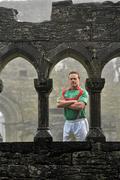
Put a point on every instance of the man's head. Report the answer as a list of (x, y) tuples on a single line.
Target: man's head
[(74, 79)]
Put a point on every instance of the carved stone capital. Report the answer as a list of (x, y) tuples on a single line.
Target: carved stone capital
[(1, 85), (43, 86), (95, 85)]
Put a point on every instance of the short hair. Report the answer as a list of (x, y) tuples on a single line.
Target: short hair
[(74, 72)]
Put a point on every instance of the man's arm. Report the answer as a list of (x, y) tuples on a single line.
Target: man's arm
[(77, 105), (82, 102), (61, 103)]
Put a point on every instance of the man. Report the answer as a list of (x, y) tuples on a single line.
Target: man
[(74, 101)]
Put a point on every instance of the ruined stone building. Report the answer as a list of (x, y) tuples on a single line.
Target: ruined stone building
[(88, 33)]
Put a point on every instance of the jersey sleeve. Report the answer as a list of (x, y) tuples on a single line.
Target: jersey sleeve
[(84, 97)]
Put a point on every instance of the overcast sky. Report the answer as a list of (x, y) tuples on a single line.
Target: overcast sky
[(36, 10), (74, 1)]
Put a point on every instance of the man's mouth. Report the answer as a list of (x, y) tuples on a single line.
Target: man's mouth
[(73, 83)]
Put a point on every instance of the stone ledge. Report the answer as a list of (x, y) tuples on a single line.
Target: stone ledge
[(57, 147)]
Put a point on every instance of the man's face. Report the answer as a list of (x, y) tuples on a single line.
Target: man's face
[(74, 80)]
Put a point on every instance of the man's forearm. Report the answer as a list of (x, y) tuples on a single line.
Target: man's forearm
[(64, 103), (77, 106)]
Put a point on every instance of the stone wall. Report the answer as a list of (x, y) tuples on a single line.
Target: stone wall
[(60, 161)]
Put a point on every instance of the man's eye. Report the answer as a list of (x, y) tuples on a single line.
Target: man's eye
[(73, 79)]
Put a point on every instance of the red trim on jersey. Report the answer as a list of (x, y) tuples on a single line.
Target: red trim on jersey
[(75, 98)]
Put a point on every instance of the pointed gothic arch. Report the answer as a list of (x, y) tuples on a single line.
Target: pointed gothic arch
[(63, 51), (18, 50)]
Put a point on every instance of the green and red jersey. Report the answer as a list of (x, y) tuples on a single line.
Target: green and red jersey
[(79, 94)]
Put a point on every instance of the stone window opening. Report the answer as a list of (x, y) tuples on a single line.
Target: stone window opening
[(19, 91), (59, 75), (23, 73), (110, 100)]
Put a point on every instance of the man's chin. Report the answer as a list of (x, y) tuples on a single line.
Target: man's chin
[(74, 86)]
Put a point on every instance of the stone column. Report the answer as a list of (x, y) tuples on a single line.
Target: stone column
[(94, 87), (43, 88), (1, 88)]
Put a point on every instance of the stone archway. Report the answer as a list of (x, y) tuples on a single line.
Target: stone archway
[(59, 74), (13, 50), (19, 88), (110, 101), (75, 30), (70, 50)]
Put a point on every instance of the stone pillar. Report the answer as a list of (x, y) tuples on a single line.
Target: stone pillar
[(1, 88), (1, 138), (43, 88), (1, 85), (94, 87)]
